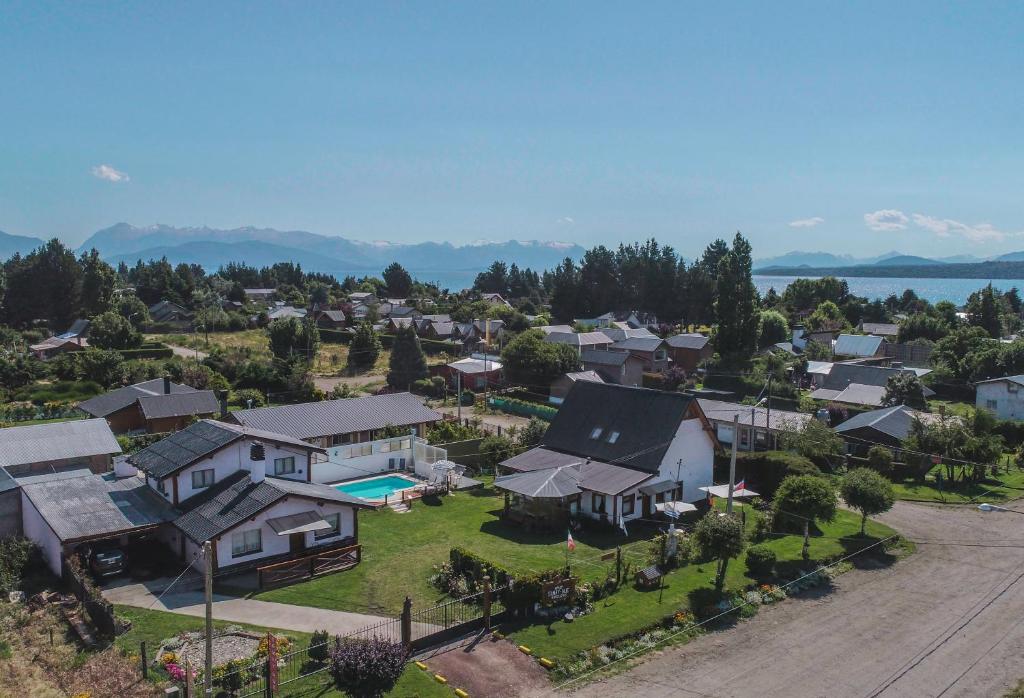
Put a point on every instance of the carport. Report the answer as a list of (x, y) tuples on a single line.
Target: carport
[(63, 515)]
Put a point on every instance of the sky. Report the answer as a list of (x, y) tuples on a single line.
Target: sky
[(853, 128)]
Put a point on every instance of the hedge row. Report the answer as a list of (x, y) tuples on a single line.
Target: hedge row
[(431, 347), (153, 353), (523, 408), (764, 470)]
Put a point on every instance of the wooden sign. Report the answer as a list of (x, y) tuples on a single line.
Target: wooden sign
[(608, 556), (558, 592)]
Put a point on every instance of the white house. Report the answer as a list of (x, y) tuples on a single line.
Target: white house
[(612, 452), (1003, 397)]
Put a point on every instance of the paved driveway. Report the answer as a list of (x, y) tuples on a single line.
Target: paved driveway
[(948, 621)]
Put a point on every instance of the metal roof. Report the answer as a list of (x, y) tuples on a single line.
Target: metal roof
[(860, 345), (114, 400), (591, 376), (893, 421), (578, 339), (471, 366), (571, 478), (553, 483), (1018, 379), (640, 344), (40, 443), (779, 420), (636, 425), (604, 357), (179, 404), (298, 523), (539, 458), (884, 329), (237, 498), (96, 505), (687, 341), (198, 440), (312, 419), (7, 482)]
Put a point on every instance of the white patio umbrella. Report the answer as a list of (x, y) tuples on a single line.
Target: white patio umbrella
[(674, 509), (723, 491)]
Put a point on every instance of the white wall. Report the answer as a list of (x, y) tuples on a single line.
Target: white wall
[(1008, 404), (340, 467), (37, 530), (274, 544), (230, 460), (697, 450)]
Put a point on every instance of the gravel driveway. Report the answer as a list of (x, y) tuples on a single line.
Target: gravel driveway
[(947, 621)]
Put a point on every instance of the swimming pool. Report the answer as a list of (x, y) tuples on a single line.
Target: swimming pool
[(377, 487)]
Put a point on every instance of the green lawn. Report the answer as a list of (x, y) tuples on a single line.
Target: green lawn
[(155, 626), (952, 407), (1010, 486), (631, 610), (400, 551)]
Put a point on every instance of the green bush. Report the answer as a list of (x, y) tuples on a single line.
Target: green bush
[(468, 398), (17, 556), (880, 460), (242, 397), (760, 561), (153, 353), (765, 470), (319, 646)]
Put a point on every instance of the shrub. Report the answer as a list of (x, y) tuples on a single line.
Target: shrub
[(468, 398), (16, 556), (242, 396), (760, 560), (880, 460), (367, 668), (764, 471), (319, 646), (229, 676)]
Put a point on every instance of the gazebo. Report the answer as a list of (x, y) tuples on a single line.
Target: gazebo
[(540, 498)]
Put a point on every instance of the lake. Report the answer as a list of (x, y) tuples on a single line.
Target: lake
[(932, 290)]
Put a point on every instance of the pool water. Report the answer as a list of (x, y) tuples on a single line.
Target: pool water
[(376, 488)]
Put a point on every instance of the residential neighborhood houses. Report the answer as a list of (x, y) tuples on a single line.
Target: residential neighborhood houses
[(337, 449)]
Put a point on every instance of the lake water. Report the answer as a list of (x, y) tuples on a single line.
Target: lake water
[(932, 290)]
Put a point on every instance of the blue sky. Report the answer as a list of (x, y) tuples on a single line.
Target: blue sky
[(854, 128)]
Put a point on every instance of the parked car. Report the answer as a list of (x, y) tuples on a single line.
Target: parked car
[(108, 562)]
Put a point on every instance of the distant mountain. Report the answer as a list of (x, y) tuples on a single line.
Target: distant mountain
[(20, 244), (906, 260), (810, 259), (211, 247), (1011, 257)]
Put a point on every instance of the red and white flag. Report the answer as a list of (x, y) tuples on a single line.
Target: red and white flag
[(741, 485), (571, 544)]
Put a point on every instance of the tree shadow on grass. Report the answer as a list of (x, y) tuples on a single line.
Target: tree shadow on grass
[(865, 556)]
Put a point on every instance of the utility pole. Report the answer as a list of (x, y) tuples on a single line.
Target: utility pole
[(732, 460), (768, 415), (208, 674), (458, 397)]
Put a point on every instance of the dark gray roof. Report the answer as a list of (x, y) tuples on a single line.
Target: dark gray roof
[(640, 344), (780, 420), (571, 478), (863, 345), (114, 400), (604, 358), (893, 421), (578, 339), (312, 419), (687, 341), (539, 458), (205, 437), (237, 498), (843, 374), (6, 481), (198, 402), (885, 329), (1018, 379), (334, 315), (646, 421), (96, 505), (39, 443), (553, 483)]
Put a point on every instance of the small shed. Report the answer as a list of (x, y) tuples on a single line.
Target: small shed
[(649, 577)]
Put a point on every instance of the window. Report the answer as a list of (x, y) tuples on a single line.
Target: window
[(161, 487), (613, 437), (391, 463), (246, 542), (991, 404), (628, 504), (335, 521), (597, 504), (284, 466), (202, 478), (596, 434)]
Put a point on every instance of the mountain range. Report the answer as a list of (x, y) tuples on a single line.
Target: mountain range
[(889, 259), (212, 247)]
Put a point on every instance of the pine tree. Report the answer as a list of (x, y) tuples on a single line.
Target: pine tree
[(736, 306), (364, 348), (407, 363)]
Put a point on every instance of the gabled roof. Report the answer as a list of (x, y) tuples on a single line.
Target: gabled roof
[(688, 341), (843, 374), (402, 311), (548, 329), (883, 329), (39, 443), (893, 421), (618, 333), (776, 420), (312, 419), (442, 329), (1018, 379), (237, 498), (578, 339), (204, 438), (96, 505), (860, 345), (853, 394), (636, 425), (570, 478), (471, 365), (286, 311), (165, 310), (114, 400), (333, 315), (591, 376), (640, 344), (178, 404)]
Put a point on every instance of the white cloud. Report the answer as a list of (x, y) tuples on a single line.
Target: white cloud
[(806, 222), (886, 219), (109, 173), (566, 220), (946, 227)]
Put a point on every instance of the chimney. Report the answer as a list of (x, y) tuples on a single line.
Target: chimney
[(167, 385), (223, 403), (257, 461)]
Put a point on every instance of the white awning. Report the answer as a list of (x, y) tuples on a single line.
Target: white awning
[(658, 487), (298, 523), (674, 509), (723, 491)]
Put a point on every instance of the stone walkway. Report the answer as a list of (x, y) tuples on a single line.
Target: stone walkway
[(267, 614)]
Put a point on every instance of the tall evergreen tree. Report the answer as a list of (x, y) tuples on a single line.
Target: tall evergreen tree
[(364, 348), (736, 306), (407, 362), (97, 284), (397, 280)]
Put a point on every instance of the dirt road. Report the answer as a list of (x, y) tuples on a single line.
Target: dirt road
[(948, 621)]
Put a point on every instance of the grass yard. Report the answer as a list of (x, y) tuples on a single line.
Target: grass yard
[(952, 408), (400, 551), (154, 626), (1008, 485), (631, 610)]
